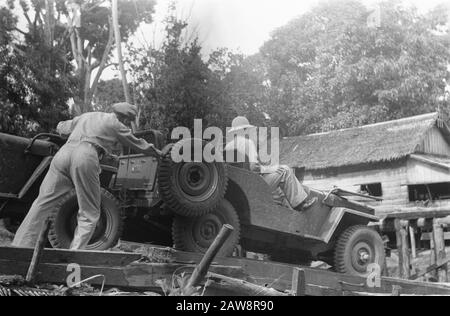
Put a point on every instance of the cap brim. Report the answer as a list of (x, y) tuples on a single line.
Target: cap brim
[(127, 114), (239, 128)]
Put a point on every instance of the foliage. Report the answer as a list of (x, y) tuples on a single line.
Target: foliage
[(108, 92), (35, 81), (174, 85), (329, 69), (50, 59), (91, 43), (326, 69)]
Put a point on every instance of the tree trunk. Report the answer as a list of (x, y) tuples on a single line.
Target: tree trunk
[(49, 22), (115, 18)]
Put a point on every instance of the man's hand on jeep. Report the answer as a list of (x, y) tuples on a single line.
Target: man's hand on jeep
[(154, 152)]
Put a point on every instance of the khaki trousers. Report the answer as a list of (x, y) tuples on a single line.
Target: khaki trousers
[(75, 166), (285, 186)]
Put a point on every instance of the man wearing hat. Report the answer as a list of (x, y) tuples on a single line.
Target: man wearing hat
[(77, 166), (281, 179)]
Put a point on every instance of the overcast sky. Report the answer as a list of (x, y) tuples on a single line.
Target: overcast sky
[(242, 25)]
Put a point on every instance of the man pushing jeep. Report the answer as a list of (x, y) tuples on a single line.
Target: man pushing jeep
[(77, 166)]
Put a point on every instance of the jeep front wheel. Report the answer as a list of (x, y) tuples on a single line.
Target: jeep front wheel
[(357, 248)]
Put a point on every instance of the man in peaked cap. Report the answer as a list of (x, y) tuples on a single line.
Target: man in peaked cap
[(281, 179), (77, 166)]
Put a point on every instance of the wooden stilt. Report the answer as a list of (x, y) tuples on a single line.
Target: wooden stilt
[(433, 261), (439, 250), (401, 228), (412, 238)]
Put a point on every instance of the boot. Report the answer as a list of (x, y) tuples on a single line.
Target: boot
[(306, 204)]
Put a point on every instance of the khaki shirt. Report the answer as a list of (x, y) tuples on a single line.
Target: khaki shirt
[(102, 129), (246, 147)]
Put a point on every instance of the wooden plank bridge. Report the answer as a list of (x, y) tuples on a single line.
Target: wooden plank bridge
[(141, 269)]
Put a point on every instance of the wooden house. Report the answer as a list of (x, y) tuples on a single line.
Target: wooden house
[(406, 162)]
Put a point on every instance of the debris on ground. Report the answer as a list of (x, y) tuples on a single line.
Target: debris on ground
[(16, 286), (421, 262)]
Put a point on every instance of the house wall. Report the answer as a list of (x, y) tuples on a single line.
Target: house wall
[(394, 178), (420, 173), (434, 143), (391, 177)]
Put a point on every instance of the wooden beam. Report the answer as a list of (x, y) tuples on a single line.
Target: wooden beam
[(321, 283), (429, 236), (142, 276), (318, 282), (81, 257), (445, 221), (419, 212), (239, 287)]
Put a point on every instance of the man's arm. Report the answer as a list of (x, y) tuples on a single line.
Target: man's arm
[(65, 128), (255, 164), (246, 148), (126, 138)]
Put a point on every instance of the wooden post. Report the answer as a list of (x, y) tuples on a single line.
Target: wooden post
[(202, 268), (42, 240), (401, 228), (439, 250), (412, 238), (298, 282), (396, 290), (433, 273)]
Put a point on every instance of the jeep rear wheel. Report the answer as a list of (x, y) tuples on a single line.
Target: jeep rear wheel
[(191, 188), (357, 248), (197, 234), (64, 223)]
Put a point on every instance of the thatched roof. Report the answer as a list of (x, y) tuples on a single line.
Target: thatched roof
[(381, 142)]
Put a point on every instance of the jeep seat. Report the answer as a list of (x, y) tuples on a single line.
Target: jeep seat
[(16, 164)]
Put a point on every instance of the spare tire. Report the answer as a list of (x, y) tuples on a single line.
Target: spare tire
[(191, 188), (64, 222), (197, 234)]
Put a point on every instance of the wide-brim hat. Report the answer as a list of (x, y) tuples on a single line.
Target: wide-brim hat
[(240, 123), (127, 109)]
